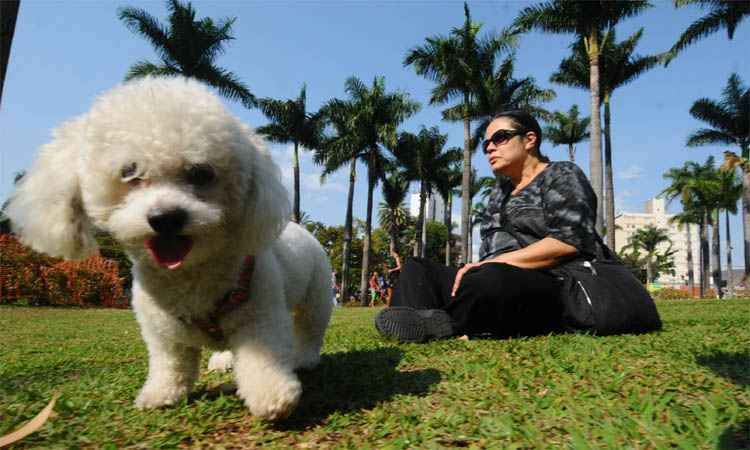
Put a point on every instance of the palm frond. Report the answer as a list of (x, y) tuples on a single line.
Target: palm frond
[(705, 136), (275, 132), (140, 22), (227, 83), (723, 15), (713, 113), (144, 68)]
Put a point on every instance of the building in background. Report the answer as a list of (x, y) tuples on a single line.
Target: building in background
[(656, 214)]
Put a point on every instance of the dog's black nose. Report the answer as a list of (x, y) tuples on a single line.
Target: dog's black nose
[(167, 222)]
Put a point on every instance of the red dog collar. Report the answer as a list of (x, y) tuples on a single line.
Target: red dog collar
[(228, 303)]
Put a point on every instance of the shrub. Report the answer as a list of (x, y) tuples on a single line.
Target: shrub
[(670, 294), (26, 275)]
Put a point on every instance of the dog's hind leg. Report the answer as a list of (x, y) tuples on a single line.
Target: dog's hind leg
[(220, 361), (311, 318)]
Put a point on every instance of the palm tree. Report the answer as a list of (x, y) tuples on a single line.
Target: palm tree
[(290, 122), (336, 151), (393, 215), (688, 183), (586, 19), (618, 67), (375, 119), (729, 120), (502, 92), (719, 190), (722, 14), (477, 211), (8, 15), (649, 238), (685, 219), (186, 47), (305, 219), (458, 64), (729, 193), (708, 189), (568, 129), (424, 159), (448, 180)]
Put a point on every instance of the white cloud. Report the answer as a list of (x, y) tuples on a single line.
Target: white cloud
[(623, 202), (310, 184), (632, 172)]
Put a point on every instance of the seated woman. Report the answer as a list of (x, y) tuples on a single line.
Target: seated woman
[(513, 290)]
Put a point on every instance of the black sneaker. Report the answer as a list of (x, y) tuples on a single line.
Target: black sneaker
[(406, 324)]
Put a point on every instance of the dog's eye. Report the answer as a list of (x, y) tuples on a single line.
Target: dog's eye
[(200, 175), (129, 173)]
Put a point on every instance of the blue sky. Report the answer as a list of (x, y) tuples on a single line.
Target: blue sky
[(66, 53)]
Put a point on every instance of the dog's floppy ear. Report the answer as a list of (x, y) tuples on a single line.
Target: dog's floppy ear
[(268, 209), (46, 210)]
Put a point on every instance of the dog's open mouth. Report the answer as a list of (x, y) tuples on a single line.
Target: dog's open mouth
[(169, 251)]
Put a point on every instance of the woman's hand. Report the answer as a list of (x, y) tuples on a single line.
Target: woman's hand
[(460, 275)]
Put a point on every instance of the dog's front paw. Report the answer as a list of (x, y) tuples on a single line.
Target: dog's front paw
[(220, 361), (273, 401), (153, 397)]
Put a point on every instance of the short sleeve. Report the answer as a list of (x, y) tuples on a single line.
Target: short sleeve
[(569, 205)]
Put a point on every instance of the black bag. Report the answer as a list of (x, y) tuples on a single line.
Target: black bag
[(601, 296), (604, 297)]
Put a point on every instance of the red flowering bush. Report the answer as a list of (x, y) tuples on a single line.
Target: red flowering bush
[(36, 279), (671, 294)]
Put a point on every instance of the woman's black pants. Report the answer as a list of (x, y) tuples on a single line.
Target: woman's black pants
[(494, 298)]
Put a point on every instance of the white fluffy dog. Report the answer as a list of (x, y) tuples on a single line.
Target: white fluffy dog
[(190, 192)]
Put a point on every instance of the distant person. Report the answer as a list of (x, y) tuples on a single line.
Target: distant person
[(335, 288), (393, 273), (382, 285), (374, 287), (510, 291)]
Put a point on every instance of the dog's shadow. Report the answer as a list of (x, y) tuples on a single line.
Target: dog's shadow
[(734, 366), (348, 381)]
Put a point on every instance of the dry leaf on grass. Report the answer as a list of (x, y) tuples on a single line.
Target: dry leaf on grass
[(33, 425)]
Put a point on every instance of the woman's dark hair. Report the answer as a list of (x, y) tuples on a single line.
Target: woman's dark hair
[(523, 121)]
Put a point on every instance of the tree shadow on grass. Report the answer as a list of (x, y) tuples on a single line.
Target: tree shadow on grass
[(734, 366)]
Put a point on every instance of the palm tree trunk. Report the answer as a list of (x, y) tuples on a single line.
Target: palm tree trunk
[(571, 153), (746, 220), (595, 156), (704, 257), (649, 270), (608, 178), (420, 220), (8, 15), (690, 272), (348, 233), (296, 217), (447, 223), (465, 187), (363, 285), (730, 274), (423, 253), (715, 252)]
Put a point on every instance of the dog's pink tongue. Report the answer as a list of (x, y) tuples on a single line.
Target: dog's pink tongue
[(169, 251)]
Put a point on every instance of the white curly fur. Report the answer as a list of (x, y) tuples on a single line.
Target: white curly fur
[(165, 125)]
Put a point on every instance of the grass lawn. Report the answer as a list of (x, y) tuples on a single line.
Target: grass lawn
[(687, 387)]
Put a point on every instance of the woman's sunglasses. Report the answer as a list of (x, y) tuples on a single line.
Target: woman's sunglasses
[(500, 137)]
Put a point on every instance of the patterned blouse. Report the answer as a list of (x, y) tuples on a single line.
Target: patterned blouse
[(558, 203)]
